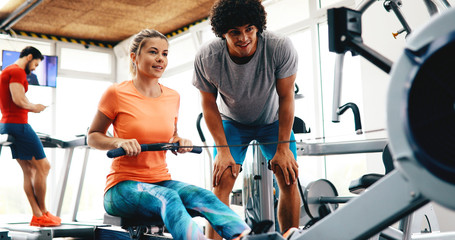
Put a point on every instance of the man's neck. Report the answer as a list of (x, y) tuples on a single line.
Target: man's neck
[(21, 62)]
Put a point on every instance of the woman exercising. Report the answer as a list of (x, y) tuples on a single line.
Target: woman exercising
[(139, 184)]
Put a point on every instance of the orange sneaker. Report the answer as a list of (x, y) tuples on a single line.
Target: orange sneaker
[(43, 221), (53, 218)]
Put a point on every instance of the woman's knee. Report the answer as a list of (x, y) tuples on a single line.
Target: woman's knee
[(172, 196), (158, 197), (205, 194)]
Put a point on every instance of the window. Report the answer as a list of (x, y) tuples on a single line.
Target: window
[(291, 10), (85, 61), (93, 63), (181, 51)]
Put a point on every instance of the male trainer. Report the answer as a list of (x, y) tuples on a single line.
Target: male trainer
[(252, 72)]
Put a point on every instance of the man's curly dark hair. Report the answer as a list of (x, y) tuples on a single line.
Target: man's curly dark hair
[(228, 14)]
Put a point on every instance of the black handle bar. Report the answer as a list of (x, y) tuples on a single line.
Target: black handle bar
[(151, 147), (198, 126)]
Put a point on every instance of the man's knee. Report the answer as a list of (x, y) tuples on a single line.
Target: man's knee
[(226, 184), (42, 166), (282, 183), (28, 170)]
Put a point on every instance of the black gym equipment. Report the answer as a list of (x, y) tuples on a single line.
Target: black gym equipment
[(153, 147)]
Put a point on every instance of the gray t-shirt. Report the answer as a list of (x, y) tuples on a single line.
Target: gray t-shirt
[(247, 91)]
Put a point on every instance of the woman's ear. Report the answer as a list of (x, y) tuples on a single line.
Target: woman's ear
[(133, 57)]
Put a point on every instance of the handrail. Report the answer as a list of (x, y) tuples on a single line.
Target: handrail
[(338, 148)]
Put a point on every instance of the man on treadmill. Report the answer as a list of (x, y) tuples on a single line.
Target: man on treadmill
[(27, 148)]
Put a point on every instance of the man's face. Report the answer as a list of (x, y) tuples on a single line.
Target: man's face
[(242, 41), (32, 65)]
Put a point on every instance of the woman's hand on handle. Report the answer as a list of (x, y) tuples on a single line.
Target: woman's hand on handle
[(131, 146), (182, 142)]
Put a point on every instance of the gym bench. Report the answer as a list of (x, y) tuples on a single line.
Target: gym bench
[(138, 226)]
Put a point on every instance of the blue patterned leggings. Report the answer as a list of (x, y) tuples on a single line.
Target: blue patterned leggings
[(170, 199)]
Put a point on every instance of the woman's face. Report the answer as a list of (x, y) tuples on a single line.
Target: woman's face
[(152, 58)]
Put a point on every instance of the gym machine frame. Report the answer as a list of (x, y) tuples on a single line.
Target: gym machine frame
[(418, 177)]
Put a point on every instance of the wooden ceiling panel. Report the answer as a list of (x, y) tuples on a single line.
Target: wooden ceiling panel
[(109, 20), (51, 16)]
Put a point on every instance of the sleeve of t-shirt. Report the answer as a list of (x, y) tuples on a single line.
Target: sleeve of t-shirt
[(108, 102), (18, 75), (286, 59), (200, 80)]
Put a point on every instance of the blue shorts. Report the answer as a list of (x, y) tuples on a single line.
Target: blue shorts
[(26, 143), (237, 134)]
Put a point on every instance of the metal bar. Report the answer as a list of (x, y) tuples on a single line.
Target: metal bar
[(392, 234), (434, 236), (266, 190), (335, 148), (445, 3), (81, 184), (431, 7), (15, 17), (15, 13), (398, 198), (333, 199), (337, 84), (371, 55), (364, 5), (396, 10), (63, 180)]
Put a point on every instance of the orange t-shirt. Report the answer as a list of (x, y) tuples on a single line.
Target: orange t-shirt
[(11, 113), (148, 120)]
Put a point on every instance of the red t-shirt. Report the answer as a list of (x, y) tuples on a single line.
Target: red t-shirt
[(148, 120), (11, 113)]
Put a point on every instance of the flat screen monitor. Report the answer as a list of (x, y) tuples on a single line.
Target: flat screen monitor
[(44, 75)]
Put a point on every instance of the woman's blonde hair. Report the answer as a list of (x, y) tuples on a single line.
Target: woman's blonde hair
[(137, 42)]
